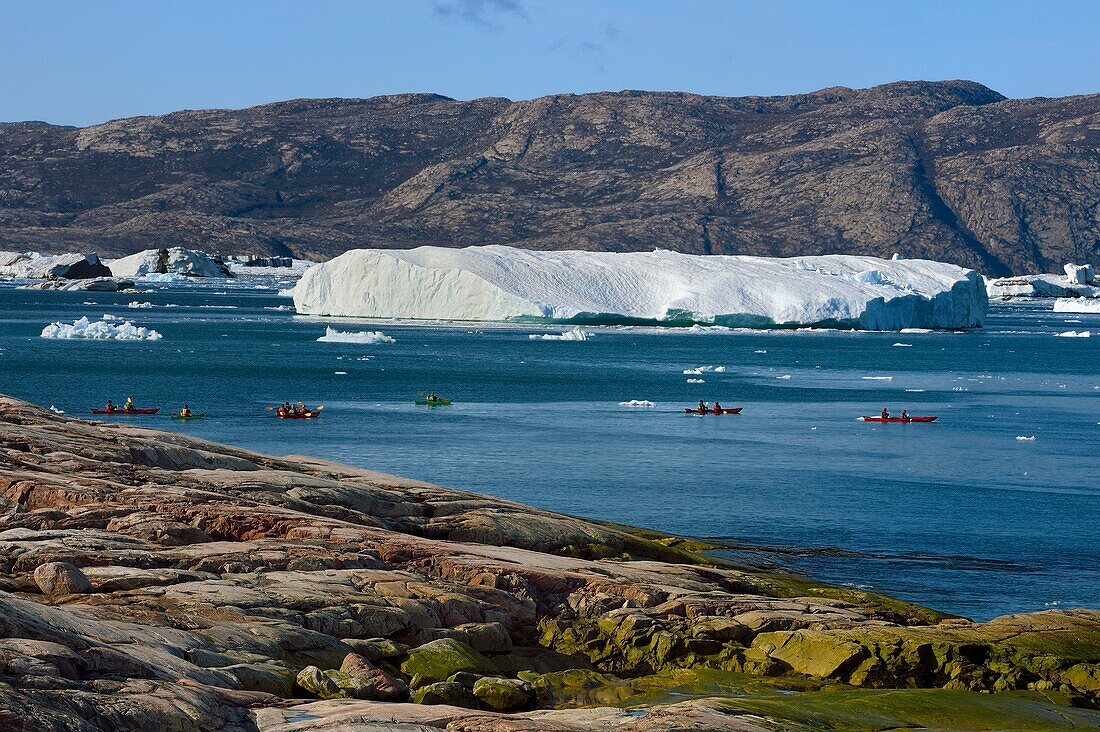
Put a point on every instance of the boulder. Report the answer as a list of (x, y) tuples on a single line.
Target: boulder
[(56, 579), (504, 695), (316, 682), (810, 652), (376, 649), (446, 692), (486, 637), (440, 659), (375, 684)]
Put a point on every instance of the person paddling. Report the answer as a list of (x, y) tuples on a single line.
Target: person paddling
[(129, 405), (186, 411), (110, 406), (717, 408), (702, 406), (905, 414), (885, 413)]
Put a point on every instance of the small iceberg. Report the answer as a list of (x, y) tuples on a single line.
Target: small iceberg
[(1023, 438), (135, 305), (1074, 334), (903, 345), (696, 381), (877, 378), (784, 377), (637, 403), (576, 334), (1077, 305), (370, 338), (108, 329)]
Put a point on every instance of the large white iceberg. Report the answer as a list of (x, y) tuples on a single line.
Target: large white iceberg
[(498, 283), (173, 261), (32, 265)]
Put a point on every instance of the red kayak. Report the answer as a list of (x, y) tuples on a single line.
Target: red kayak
[(899, 419), (154, 410), (308, 414), (731, 410)]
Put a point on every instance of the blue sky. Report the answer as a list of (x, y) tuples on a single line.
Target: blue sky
[(82, 62)]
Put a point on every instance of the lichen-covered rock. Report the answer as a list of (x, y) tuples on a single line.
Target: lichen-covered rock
[(316, 682), (446, 692), (440, 659), (61, 578), (504, 695), (813, 653)]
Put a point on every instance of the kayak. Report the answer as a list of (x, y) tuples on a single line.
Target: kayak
[(200, 415), (308, 414), (724, 410), (899, 419), (433, 402), (127, 412)]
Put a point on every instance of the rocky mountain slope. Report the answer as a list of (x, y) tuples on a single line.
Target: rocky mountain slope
[(154, 581), (946, 170)]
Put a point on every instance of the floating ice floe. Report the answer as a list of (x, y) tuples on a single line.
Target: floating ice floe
[(340, 373), (696, 381), (705, 369), (370, 337), (1074, 334), (139, 305), (762, 350), (1023, 438), (576, 334), (637, 403), (877, 378), (903, 345), (498, 283), (915, 391), (1076, 305), (784, 377), (110, 328)]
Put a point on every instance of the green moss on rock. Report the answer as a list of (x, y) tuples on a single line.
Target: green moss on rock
[(440, 659)]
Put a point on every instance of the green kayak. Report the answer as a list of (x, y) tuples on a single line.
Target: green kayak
[(433, 402), (201, 415)]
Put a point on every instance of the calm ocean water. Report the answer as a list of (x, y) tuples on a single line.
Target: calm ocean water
[(960, 515)]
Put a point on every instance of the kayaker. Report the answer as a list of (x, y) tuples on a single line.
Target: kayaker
[(885, 413), (186, 411), (110, 406), (129, 405), (717, 408), (905, 414), (702, 406)]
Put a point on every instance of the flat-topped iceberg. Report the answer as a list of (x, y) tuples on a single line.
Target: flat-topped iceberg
[(498, 283)]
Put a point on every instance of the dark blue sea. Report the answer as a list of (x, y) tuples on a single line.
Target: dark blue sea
[(961, 515)]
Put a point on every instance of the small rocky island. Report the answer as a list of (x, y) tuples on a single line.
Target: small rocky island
[(150, 581)]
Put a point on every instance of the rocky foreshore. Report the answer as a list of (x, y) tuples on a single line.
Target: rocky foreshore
[(150, 581)]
